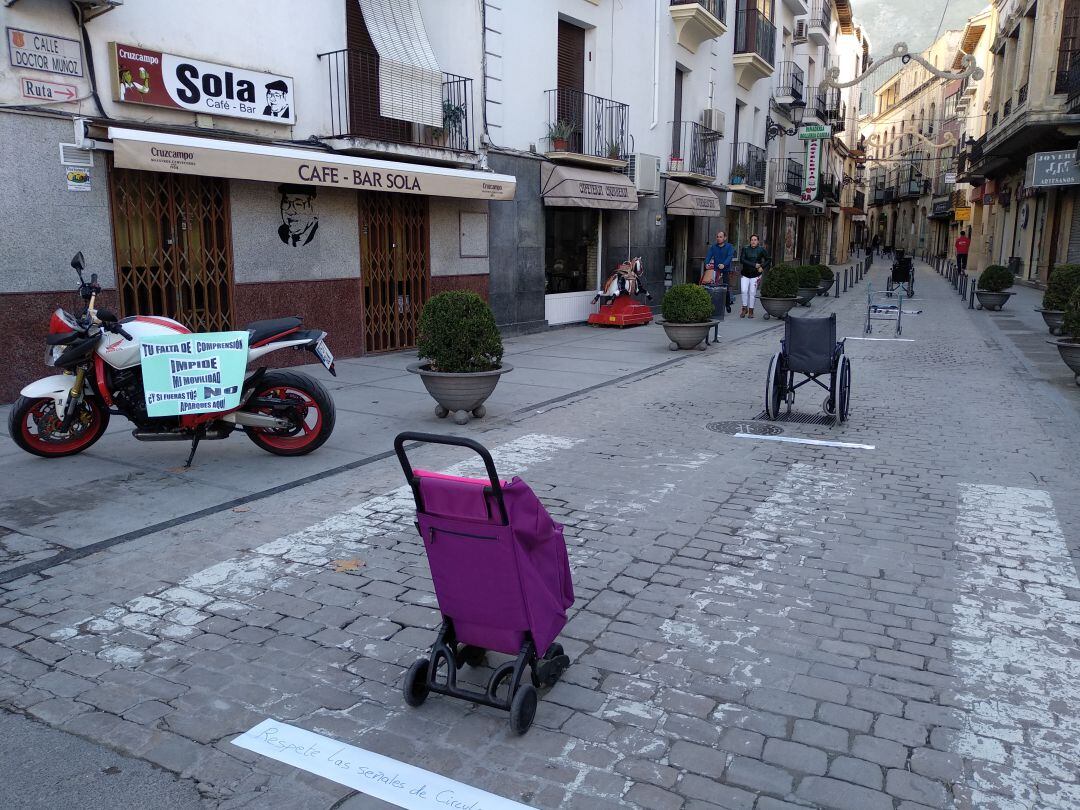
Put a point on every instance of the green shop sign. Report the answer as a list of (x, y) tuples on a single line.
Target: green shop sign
[(814, 132)]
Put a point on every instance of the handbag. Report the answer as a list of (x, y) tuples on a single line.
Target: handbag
[(708, 277)]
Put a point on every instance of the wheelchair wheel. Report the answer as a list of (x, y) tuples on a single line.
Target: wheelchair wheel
[(774, 388), (845, 388)]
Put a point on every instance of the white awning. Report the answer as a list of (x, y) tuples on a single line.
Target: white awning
[(182, 154), (410, 79), (570, 186), (684, 199)]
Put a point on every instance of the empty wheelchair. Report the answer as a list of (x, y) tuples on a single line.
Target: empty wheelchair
[(901, 275), (809, 348)]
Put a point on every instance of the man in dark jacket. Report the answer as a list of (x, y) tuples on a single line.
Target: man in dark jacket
[(754, 260), (719, 259)]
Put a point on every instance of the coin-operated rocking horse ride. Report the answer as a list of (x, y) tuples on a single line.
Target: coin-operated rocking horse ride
[(619, 297)]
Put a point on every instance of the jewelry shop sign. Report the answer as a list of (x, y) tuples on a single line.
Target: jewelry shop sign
[(31, 50), (1046, 169), (158, 79)]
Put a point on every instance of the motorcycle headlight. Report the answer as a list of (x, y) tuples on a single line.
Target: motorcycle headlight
[(53, 354)]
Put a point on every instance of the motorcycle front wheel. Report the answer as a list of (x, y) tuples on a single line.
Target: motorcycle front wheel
[(35, 427), (300, 399)]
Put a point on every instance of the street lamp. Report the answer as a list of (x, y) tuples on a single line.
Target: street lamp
[(774, 129)]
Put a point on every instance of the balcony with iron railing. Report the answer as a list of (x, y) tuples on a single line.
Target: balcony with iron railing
[(1071, 85), (912, 187), (698, 21), (589, 129), (1021, 96), (829, 188), (790, 179), (820, 22), (755, 47), (693, 151), (748, 168), (817, 103), (859, 200), (353, 96), (790, 83), (890, 194), (879, 194)]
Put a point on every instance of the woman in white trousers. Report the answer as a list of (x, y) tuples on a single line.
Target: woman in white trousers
[(753, 261)]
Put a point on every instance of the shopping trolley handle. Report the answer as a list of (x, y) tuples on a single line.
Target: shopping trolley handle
[(454, 441)]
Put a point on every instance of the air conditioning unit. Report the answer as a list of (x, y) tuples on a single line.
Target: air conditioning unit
[(800, 31), (644, 170), (713, 119)]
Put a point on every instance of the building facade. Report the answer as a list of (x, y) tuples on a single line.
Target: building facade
[(221, 163), (1026, 205), (912, 140)]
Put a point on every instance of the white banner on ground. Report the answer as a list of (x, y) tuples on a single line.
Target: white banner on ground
[(384, 778)]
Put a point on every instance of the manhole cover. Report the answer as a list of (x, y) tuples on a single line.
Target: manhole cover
[(756, 428)]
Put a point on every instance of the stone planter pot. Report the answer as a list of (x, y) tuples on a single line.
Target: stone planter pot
[(992, 300), (824, 287), (463, 395), (1054, 319), (687, 335), (777, 307), (806, 295), (1069, 350)]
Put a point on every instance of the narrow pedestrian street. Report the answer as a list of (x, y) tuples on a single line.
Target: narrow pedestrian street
[(887, 619)]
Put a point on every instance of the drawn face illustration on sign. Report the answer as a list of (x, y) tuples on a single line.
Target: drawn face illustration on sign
[(277, 100), (299, 222)]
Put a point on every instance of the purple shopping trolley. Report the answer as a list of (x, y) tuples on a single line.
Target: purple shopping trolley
[(502, 577)]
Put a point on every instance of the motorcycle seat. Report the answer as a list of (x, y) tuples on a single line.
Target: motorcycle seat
[(261, 331)]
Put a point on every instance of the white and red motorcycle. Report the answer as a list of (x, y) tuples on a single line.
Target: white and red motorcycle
[(284, 412)]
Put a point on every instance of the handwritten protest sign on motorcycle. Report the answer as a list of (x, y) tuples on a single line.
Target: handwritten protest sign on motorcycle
[(193, 373)]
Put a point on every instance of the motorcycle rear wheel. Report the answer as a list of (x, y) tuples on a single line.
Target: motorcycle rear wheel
[(313, 414), (32, 424)]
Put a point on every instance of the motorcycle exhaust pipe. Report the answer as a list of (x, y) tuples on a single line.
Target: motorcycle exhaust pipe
[(176, 436)]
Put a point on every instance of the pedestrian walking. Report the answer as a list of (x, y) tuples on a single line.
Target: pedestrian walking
[(719, 259), (963, 243), (876, 244), (754, 260)]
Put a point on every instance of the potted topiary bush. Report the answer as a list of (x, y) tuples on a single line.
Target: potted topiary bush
[(809, 279), (992, 289), (687, 311), (1068, 345), (779, 291), (1064, 280), (460, 352), (826, 277)]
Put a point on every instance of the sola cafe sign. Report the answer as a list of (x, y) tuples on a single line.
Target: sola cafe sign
[(141, 76)]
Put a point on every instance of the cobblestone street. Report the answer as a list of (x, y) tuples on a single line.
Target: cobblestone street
[(759, 625)]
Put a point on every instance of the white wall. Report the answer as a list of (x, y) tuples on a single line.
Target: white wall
[(274, 36)]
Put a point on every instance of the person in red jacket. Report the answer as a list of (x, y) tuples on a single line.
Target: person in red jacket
[(962, 245)]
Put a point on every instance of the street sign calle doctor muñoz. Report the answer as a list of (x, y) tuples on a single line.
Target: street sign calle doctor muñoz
[(1046, 169)]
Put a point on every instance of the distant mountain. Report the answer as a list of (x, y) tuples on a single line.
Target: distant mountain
[(890, 21)]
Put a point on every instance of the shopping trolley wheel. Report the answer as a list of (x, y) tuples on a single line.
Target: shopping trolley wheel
[(523, 708), (416, 686), (473, 656), (551, 667)]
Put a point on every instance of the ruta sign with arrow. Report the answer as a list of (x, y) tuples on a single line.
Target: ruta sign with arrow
[(38, 90)]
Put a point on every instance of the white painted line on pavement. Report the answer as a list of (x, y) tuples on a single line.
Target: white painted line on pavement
[(1014, 647), (795, 514), (893, 340), (794, 440), (376, 775), (226, 587)]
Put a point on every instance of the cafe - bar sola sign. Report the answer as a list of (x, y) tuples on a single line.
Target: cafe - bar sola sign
[(141, 76), (813, 152)]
